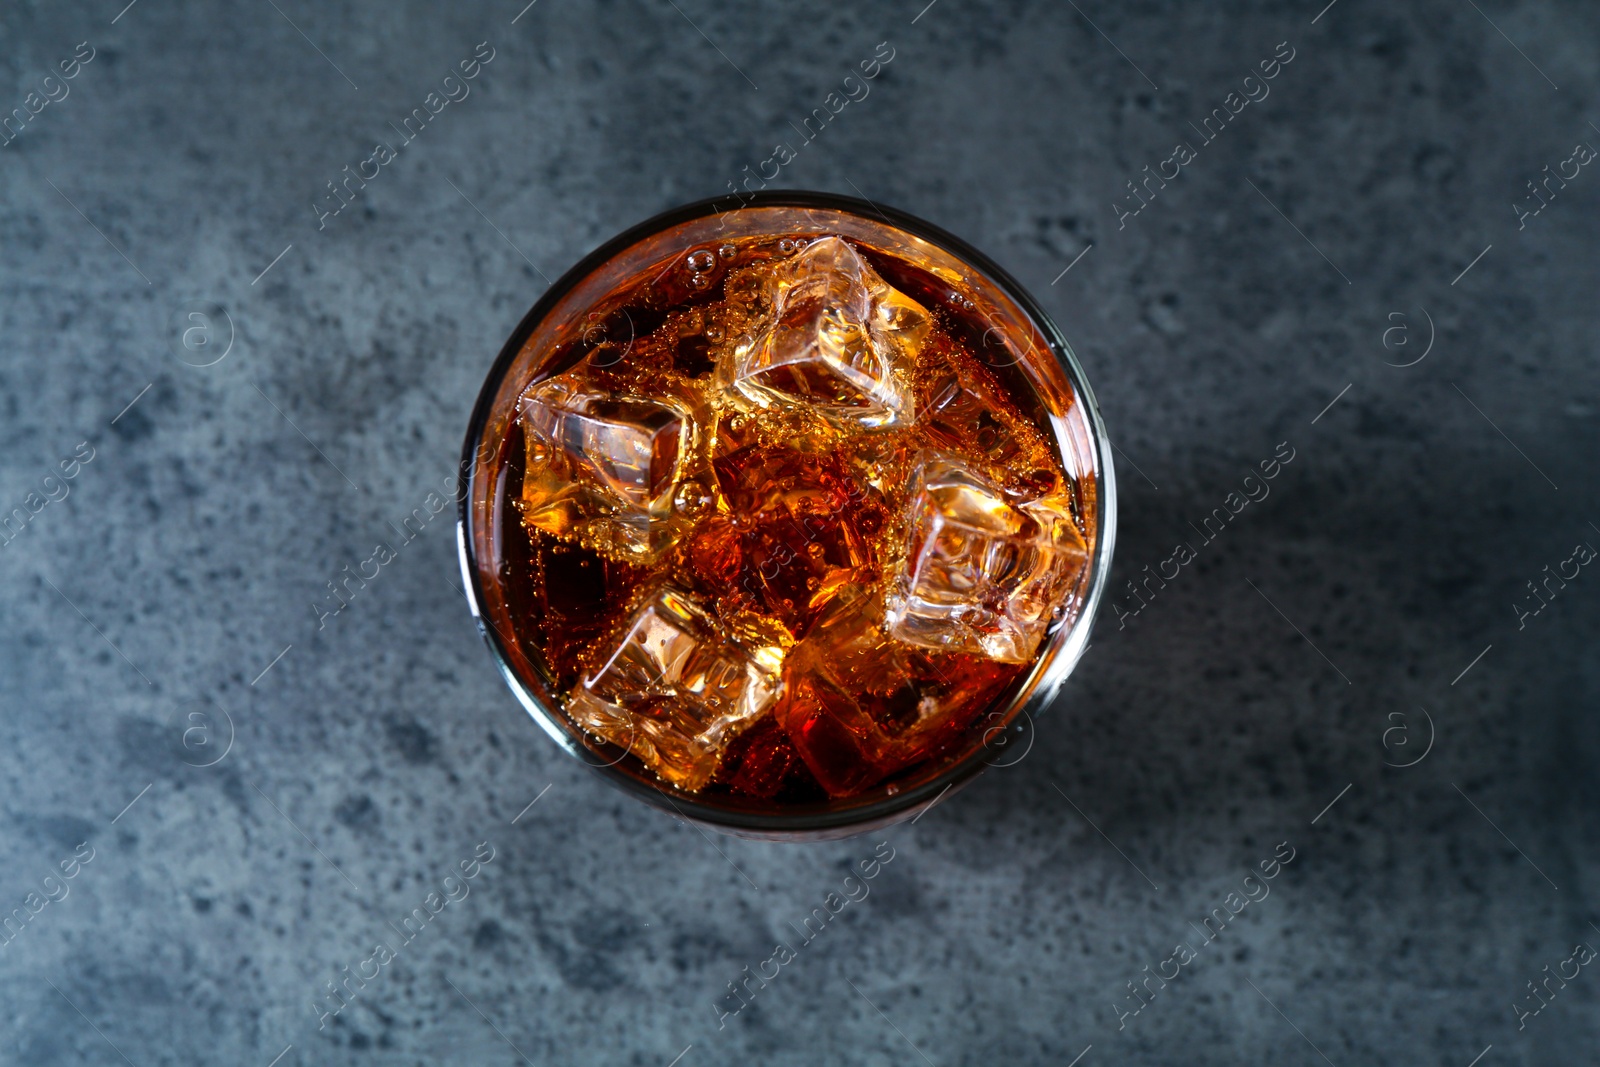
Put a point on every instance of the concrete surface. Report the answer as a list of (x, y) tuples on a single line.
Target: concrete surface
[(1374, 604)]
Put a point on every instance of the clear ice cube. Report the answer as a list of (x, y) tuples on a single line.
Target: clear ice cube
[(835, 337), (980, 574), (861, 704), (677, 687), (835, 675), (966, 415), (604, 468), (792, 533)]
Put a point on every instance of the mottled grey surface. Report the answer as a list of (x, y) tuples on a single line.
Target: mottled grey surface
[(1248, 694)]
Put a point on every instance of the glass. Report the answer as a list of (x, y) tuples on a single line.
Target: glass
[(786, 516)]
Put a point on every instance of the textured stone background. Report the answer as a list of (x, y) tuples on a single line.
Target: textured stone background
[(375, 754)]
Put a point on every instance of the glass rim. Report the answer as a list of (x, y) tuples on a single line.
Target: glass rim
[(1051, 666)]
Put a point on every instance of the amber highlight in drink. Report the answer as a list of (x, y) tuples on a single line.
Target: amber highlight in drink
[(781, 510)]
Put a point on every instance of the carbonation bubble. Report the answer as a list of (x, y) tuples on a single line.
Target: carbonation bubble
[(702, 260), (691, 497)]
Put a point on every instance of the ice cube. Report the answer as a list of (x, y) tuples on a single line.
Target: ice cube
[(834, 336), (762, 761), (677, 687), (966, 414), (860, 704), (829, 700), (980, 574), (605, 468), (797, 528), (840, 745)]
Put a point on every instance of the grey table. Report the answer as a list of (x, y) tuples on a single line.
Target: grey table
[(1380, 261)]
